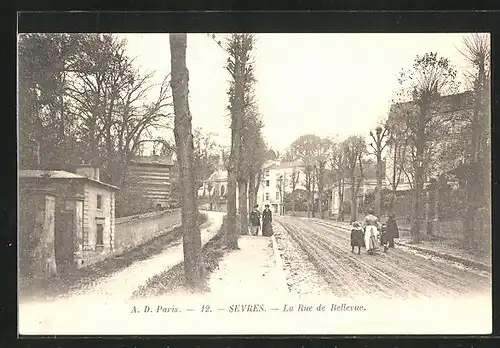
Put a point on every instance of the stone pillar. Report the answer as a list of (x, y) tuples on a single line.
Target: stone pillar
[(75, 204), (42, 236), (112, 221)]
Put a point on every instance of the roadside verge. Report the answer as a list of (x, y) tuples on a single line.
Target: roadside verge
[(439, 254)]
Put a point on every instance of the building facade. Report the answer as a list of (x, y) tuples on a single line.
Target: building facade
[(450, 113), (277, 183), (67, 220), (213, 192), (152, 175)]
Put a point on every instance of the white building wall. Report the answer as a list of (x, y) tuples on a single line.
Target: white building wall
[(269, 193)]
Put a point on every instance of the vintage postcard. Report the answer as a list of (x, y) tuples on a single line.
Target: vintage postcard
[(254, 184)]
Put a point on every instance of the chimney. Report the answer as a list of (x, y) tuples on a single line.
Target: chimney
[(88, 170)]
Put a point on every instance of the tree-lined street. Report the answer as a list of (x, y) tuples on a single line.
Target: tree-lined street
[(420, 155), (395, 274)]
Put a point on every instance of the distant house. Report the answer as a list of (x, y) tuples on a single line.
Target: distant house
[(215, 190), (66, 220), (452, 112), (277, 182), (367, 186), (152, 175)]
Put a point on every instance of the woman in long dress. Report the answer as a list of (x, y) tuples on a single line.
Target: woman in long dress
[(371, 225), (267, 219)]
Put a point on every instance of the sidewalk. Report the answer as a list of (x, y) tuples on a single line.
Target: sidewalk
[(445, 249), (254, 271)]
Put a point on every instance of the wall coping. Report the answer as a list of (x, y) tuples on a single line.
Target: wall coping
[(148, 215)]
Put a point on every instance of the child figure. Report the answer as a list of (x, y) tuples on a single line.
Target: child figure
[(356, 237), (384, 237)]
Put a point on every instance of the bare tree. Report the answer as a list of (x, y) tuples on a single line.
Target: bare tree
[(337, 162), (398, 145), (354, 149), (476, 49), (251, 164), (429, 78), (379, 143), (240, 67), (321, 159), (108, 99), (184, 141), (294, 180), (304, 149)]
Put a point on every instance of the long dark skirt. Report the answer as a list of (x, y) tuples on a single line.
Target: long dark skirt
[(357, 238), (384, 238), (267, 228)]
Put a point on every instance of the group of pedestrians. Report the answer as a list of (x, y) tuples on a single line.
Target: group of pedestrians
[(371, 233), (267, 220)]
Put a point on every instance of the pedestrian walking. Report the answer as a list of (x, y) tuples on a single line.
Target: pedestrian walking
[(267, 219), (371, 226), (392, 229), (356, 237), (254, 221), (384, 237)]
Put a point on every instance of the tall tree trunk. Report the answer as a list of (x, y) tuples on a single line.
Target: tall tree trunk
[(313, 191), (419, 169), (471, 190), (191, 237), (320, 201), (341, 201), (431, 216), (256, 191), (416, 209), (234, 157), (251, 190), (308, 188), (378, 191), (354, 203), (243, 201)]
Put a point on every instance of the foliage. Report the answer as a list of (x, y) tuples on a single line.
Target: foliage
[(300, 198), (207, 155), (81, 91), (387, 201), (132, 202), (424, 84)]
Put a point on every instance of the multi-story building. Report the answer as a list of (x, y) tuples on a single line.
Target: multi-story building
[(451, 113), (152, 175), (277, 183)]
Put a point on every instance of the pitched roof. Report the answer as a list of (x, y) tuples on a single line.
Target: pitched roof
[(285, 165), (156, 160), (59, 175), (218, 175)]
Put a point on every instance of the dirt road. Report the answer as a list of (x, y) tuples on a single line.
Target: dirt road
[(396, 274)]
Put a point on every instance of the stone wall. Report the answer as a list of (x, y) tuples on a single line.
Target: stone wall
[(36, 236), (131, 231)]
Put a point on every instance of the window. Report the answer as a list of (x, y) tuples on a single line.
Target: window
[(267, 182), (267, 172), (267, 196), (100, 234), (277, 195), (99, 202), (222, 190)]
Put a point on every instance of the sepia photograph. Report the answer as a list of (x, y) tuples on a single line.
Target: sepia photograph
[(254, 183)]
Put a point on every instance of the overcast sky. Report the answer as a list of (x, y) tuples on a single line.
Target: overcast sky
[(326, 84)]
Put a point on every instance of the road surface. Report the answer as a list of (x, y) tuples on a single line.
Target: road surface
[(396, 274)]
